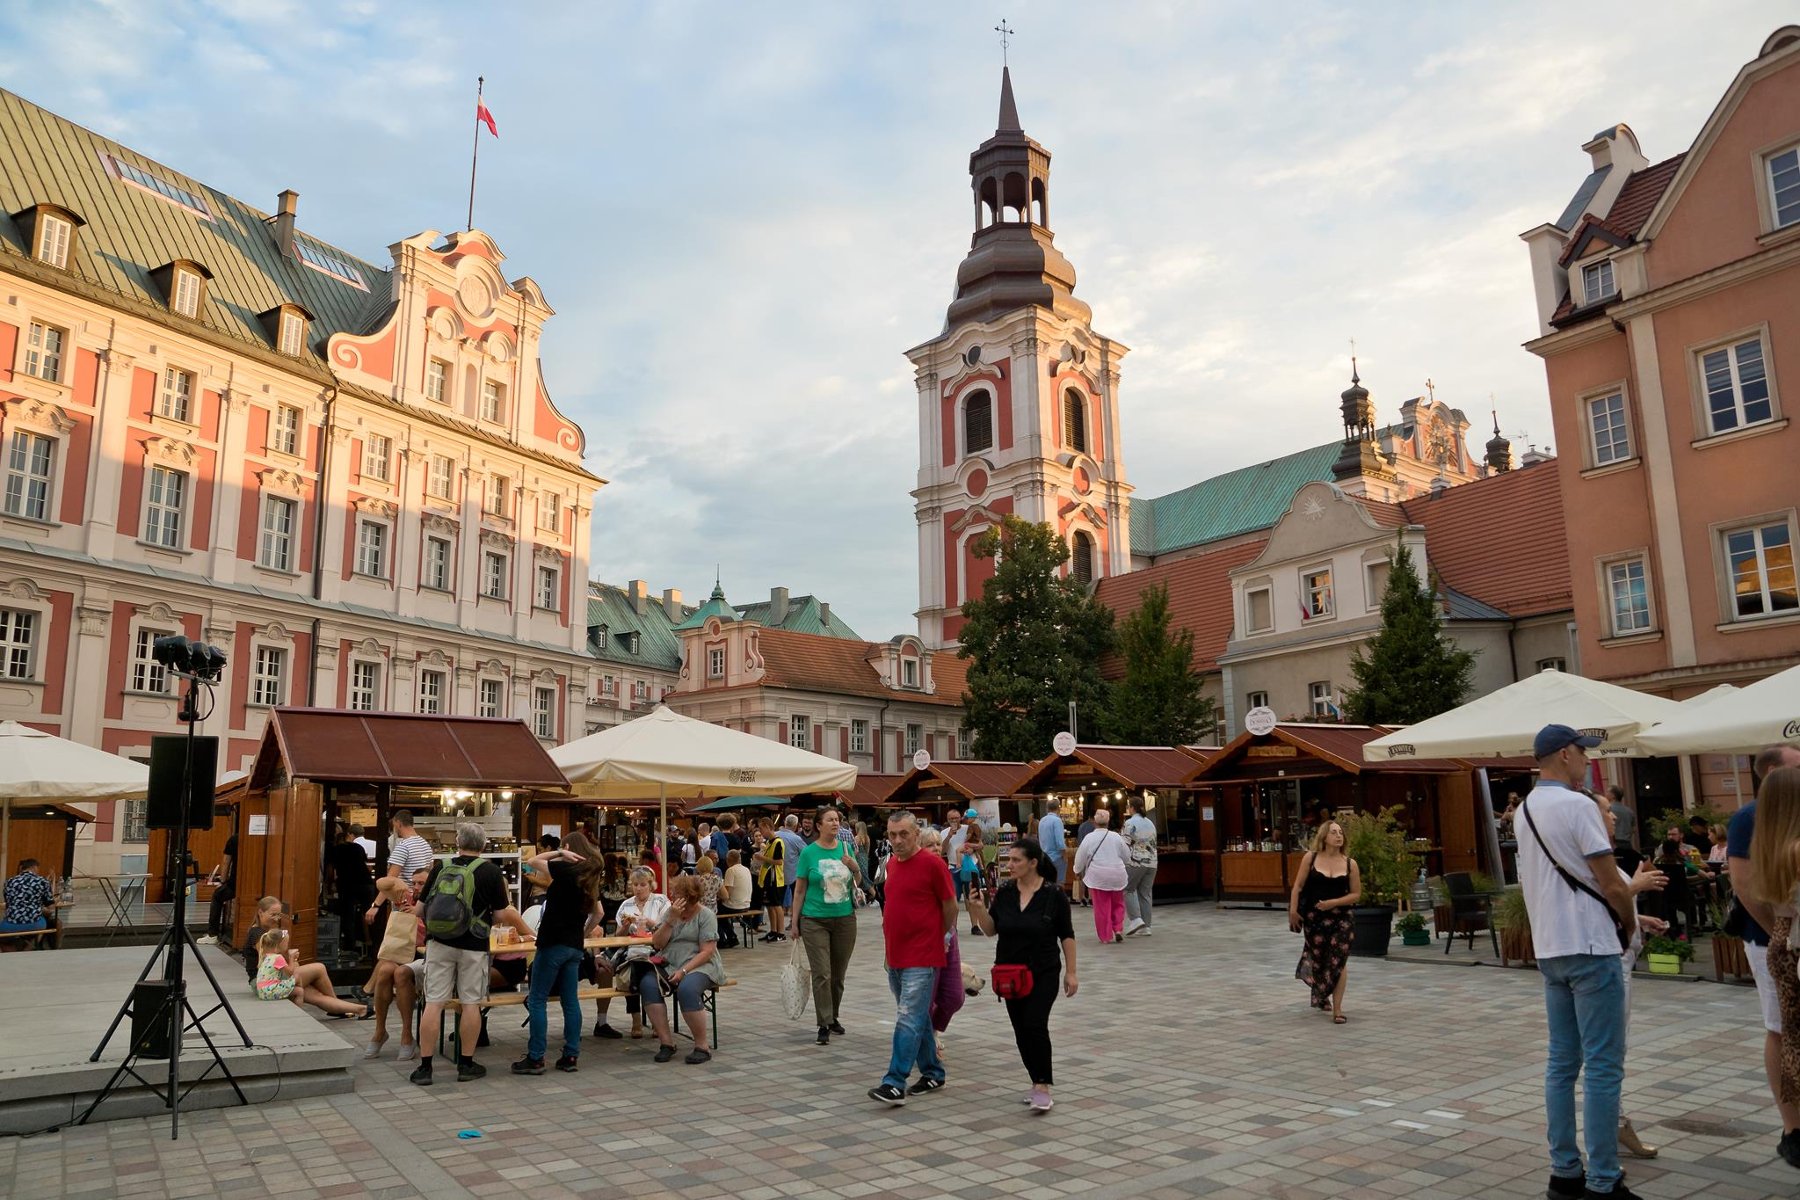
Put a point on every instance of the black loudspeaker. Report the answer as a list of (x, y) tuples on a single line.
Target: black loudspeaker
[(150, 1001), (168, 759)]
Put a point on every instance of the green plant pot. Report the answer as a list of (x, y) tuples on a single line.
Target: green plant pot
[(1663, 964), (1415, 937)]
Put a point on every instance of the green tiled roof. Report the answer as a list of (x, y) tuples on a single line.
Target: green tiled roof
[(131, 231), (1240, 501), (716, 606), (655, 645), (804, 615)]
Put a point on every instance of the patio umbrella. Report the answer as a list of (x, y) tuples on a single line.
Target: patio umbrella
[(1744, 721), (1505, 722), (664, 754), (37, 766)]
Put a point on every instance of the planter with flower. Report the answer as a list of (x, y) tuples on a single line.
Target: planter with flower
[(1666, 954), (1412, 930)]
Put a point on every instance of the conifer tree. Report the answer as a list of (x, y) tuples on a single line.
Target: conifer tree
[(1158, 702), (1034, 640), (1410, 670)]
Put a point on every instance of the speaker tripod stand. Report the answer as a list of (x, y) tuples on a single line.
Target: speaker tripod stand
[(161, 1012)]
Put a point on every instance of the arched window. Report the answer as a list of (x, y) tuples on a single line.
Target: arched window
[(1081, 560), (1075, 421), (978, 423)]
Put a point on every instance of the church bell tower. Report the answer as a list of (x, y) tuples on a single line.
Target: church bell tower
[(1018, 396)]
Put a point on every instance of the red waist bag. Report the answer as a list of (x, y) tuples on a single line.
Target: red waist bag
[(1012, 981)]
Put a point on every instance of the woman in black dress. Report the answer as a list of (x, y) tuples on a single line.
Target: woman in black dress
[(1031, 919), (1328, 886)]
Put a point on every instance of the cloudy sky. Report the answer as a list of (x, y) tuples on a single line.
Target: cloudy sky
[(744, 214)]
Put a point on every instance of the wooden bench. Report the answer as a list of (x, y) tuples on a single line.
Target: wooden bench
[(26, 939), (744, 920), (709, 1000)]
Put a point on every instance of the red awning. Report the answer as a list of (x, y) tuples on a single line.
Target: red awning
[(404, 748)]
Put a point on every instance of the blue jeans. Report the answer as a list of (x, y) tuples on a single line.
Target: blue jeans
[(914, 1043), (558, 969), (1585, 1000), (690, 993), (1056, 864)]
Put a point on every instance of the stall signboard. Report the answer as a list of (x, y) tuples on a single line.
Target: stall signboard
[(1063, 743), (1260, 721)]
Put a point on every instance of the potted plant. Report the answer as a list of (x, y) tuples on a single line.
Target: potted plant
[(1513, 922), (1412, 929), (1666, 954), (1387, 868)]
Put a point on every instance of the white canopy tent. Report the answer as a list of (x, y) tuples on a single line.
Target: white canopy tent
[(38, 767), (664, 755), (1742, 721)]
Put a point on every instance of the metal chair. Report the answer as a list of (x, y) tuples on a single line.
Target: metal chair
[(1469, 911)]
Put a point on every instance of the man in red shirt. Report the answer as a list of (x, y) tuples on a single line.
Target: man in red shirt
[(917, 918)]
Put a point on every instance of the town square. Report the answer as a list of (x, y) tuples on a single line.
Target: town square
[(577, 617)]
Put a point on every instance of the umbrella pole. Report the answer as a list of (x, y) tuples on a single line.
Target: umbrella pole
[(662, 831), (5, 837), (1491, 840)]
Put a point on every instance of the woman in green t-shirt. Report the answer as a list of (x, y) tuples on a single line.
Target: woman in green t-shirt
[(825, 914)]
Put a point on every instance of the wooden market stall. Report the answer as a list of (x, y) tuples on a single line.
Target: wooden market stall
[(1268, 792), (1091, 777), (45, 831), (961, 784), (317, 766)]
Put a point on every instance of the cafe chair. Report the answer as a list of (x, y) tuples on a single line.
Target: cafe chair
[(1469, 912)]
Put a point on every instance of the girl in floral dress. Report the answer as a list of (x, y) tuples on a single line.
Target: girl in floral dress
[(1328, 886)]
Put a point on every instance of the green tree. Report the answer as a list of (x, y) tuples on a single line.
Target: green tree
[(1158, 702), (1411, 670), (1034, 640)]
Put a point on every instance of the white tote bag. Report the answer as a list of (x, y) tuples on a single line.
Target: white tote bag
[(796, 982)]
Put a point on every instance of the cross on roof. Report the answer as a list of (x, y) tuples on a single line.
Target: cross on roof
[(1005, 31)]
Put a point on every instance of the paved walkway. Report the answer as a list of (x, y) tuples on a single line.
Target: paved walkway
[(1189, 1065)]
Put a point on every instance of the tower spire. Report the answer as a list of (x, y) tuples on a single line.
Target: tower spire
[(1009, 110)]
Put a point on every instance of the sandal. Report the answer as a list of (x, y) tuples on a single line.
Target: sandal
[(1339, 1019)]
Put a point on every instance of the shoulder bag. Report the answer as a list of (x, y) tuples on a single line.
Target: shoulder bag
[(1624, 938)]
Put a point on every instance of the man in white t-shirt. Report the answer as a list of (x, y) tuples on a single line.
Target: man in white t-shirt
[(1575, 935), (409, 852)]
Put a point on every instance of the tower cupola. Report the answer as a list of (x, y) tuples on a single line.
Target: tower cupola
[(1499, 450)]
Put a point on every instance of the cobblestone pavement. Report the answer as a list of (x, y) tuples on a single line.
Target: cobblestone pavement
[(1189, 1065)]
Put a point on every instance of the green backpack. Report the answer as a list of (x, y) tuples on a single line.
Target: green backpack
[(450, 906)]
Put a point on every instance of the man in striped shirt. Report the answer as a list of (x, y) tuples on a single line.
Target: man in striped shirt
[(410, 852)]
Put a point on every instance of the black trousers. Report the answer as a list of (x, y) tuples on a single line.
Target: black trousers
[(1031, 1022), (224, 894)]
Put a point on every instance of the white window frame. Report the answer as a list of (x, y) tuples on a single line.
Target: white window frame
[(378, 457), (431, 691), (372, 538), (549, 589), (184, 293), (41, 361), (859, 735), (19, 632), (715, 662), (435, 571), (490, 697), (1320, 602), (1773, 196), (494, 503), (274, 545), (800, 731), (1376, 588), (915, 738), (292, 336), (29, 469), (1604, 453), (1613, 573), (493, 584), (550, 512), (909, 672), (1319, 698), (284, 430), (364, 692), (134, 828), (609, 686), (148, 677), (175, 399), (493, 401), (640, 691), (54, 237), (1557, 663), (1250, 594), (1255, 700), (165, 524), (543, 712), (1729, 348), (962, 422), (268, 676), (1758, 530), (437, 381), (440, 480), (1598, 282)]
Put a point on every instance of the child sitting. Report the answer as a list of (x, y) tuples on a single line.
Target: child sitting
[(278, 977)]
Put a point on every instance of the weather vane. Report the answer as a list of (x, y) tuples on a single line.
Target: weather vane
[(1005, 31)]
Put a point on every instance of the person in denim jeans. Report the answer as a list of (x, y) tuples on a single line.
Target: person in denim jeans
[(918, 919), (572, 875), (1561, 837)]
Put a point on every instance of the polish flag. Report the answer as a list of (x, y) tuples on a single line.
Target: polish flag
[(485, 117), (1305, 613)]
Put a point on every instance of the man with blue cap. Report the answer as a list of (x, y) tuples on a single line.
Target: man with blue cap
[(1581, 915)]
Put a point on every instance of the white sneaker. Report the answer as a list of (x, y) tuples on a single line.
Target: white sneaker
[(206, 939), (1144, 932), (1134, 926)]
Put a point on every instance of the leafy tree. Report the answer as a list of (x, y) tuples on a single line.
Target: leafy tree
[(1034, 640), (1378, 844), (1158, 702), (1410, 670)]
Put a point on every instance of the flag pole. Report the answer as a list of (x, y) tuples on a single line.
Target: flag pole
[(475, 151)]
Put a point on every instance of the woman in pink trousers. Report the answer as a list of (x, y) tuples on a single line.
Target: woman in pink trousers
[(1101, 862)]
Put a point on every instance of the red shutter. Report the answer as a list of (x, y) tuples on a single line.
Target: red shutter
[(783, 733), (818, 739), (844, 744)]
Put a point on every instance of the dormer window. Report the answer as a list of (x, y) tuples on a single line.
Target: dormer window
[(909, 672), (1597, 282), (183, 284), (186, 300), (50, 232), (292, 338)]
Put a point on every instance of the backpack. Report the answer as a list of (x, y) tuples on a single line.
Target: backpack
[(450, 905)]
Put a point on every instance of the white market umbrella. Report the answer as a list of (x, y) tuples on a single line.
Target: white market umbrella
[(1744, 721), (1504, 723), (664, 754), (40, 767)]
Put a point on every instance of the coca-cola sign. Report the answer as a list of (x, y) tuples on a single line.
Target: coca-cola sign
[(1791, 731)]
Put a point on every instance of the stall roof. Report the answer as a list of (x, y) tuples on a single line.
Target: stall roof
[(870, 790), (404, 748), (1127, 766), (1341, 746), (968, 779)]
